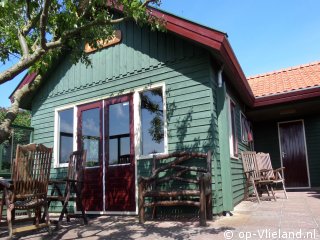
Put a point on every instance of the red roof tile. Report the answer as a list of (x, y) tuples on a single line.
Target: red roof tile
[(286, 80)]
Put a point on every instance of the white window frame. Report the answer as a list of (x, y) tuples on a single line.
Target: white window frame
[(137, 121), (231, 137), (242, 116), (56, 147)]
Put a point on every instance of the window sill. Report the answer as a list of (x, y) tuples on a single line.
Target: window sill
[(63, 165), (234, 158)]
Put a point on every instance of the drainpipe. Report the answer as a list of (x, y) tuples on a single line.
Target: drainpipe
[(220, 80)]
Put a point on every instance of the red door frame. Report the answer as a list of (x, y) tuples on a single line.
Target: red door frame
[(93, 187), (119, 169)]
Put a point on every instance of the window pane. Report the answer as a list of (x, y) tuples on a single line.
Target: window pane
[(119, 119), (125, 146), (65, 135), (91, 135), (66, 148), (113, 151), (152, 121), (234, 130)]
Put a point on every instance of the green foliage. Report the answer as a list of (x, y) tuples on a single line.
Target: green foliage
[(23, 118), (74, 22)]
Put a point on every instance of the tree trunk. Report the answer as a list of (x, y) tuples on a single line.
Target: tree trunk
[(5, 126)]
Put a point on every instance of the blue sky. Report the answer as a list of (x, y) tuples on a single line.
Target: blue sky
[(266, 35)]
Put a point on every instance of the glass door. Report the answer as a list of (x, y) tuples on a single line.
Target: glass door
[(120, 168), (90, 139)]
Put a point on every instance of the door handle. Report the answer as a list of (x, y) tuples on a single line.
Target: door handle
[(284, 154)]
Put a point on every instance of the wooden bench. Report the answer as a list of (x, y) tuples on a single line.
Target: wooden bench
[(178, 179)]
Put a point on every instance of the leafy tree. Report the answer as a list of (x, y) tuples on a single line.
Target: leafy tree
[(38, 31), (23, 117)]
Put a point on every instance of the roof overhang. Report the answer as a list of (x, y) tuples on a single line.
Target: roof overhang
[(291, 96)]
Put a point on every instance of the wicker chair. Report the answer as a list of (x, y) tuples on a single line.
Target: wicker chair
[(29, 186)]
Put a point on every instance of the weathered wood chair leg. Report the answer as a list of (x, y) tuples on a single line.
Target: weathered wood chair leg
[(284, 190), (141, 204), (64, 207), (202, 211), (154, 212), (1, 206), (209, 206), (274, 196), (246, 191), (80, 206), (255, 190)]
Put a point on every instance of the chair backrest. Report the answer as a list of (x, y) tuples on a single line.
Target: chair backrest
[(31, 170), (249, 162), (264, 162), (77, 162)]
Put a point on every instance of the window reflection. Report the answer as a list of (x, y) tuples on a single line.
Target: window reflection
[(65, 135), (119, 133), (152, 131), (91, 135)]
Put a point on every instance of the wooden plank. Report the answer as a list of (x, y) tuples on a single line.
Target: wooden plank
[(172, 193), (173, 203), (30, 227)]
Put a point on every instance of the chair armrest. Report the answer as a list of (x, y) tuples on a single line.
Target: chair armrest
[(5, 184), (57, 181), (279, 169), (265, 170)]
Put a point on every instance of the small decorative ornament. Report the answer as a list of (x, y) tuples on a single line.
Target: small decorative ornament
[(105, 43)]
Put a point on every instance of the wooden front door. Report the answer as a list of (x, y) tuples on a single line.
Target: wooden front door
[(90, 138), (294, 154), (119, 155)]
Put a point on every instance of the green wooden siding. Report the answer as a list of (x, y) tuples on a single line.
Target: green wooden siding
[(312, 129), (237, 176), (266, 140), (142, 58)]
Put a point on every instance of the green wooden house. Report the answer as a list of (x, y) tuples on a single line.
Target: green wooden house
[(151, 93), (193, 78)]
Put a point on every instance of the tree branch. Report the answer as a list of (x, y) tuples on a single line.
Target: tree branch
[(43, 23), (23, 45), (30, 24), (146, 2), (5, 129), (28, 9), (23, 64)]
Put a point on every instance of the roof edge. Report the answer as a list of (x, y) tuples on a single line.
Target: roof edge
[(287, 97), (283, 70)]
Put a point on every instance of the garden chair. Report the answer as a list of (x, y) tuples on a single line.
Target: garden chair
[(72, 184), (253, 176), (265, 167), (29, 186)]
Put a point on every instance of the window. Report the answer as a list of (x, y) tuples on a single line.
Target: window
[(65, 135), (246, 130), (152, 121), (233, 140), (119, 133), (91, 135)]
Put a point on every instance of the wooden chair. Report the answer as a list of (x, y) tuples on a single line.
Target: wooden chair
[(254, 177), (29, 186), (177, 181), (72, 184), (267, 171)]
